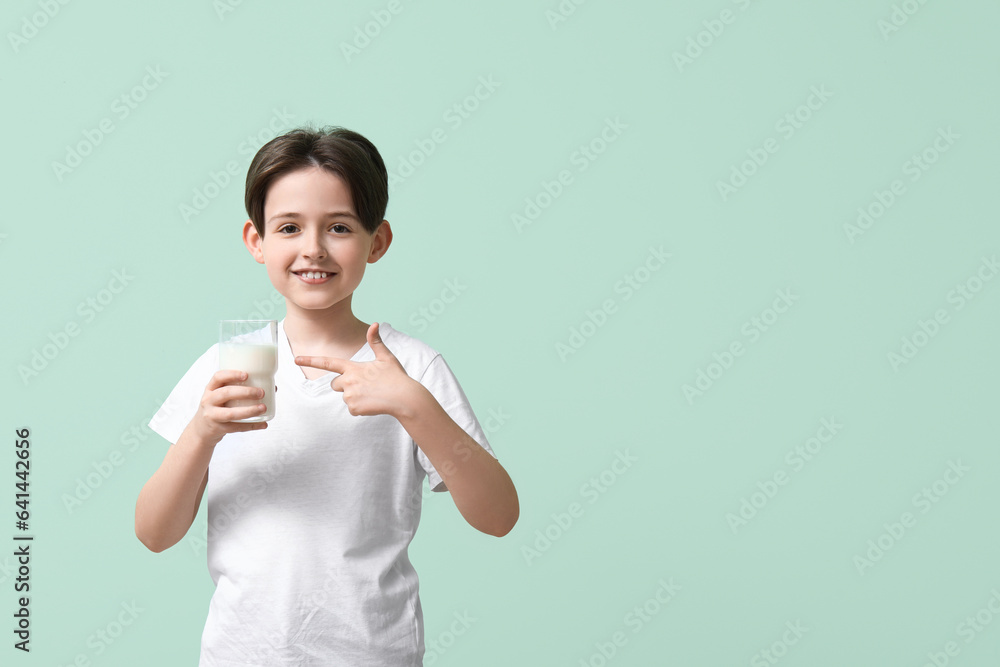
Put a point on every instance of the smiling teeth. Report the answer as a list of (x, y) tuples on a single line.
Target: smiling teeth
[(314, 275)]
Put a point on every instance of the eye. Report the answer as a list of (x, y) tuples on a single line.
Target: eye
[(289, 228)]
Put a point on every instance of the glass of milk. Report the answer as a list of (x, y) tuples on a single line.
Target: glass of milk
[(251, 346)]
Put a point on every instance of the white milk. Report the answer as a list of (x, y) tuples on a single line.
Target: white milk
[(259, 362)]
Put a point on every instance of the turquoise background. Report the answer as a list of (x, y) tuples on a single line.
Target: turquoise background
[(561, 588)]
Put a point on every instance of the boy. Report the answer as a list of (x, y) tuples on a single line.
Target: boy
[(311, 513)]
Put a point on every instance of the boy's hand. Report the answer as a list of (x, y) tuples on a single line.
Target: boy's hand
[(212, 421), (379, 387)]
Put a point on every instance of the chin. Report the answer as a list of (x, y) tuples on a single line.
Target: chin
[(316, 304)]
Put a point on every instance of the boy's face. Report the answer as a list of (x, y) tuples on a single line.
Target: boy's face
[(310, 225)]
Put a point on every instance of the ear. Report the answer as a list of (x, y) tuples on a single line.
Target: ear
[(380, 241), (253, 241)]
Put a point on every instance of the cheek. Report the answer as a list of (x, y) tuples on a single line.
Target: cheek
[(359, 256), (276, 260)]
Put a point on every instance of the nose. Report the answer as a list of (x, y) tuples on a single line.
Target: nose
[(313, 246)]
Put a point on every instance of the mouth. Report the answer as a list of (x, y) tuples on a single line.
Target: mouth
[(314, 277)]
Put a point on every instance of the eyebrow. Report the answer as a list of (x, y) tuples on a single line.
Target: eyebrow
[(332, 214)]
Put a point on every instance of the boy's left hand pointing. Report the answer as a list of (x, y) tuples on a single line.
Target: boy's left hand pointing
[(379, 387)]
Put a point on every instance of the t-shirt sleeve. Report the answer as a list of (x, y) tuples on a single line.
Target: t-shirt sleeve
[(182, 403), (443, 385)]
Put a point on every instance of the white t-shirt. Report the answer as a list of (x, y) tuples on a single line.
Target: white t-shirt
[(309, 520)]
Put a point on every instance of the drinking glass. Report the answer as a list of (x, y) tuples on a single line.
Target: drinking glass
[(251, 346)]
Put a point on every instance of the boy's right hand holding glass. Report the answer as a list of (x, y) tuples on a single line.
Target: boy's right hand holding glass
[(168, 503), (214, 420)]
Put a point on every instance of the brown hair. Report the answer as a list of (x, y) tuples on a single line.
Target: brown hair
[(336, 149)]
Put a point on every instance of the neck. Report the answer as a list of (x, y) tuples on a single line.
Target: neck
[(333, 327)]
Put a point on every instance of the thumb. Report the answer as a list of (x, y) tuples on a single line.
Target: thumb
[(375, 342)]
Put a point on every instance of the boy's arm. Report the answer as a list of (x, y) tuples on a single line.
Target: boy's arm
[(169, 501), (479, 485), (481, 488)]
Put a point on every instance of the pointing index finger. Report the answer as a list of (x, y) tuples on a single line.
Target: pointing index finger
[(326, 363)]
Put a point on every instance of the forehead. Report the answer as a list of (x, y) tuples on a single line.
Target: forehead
[(308, 190)]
